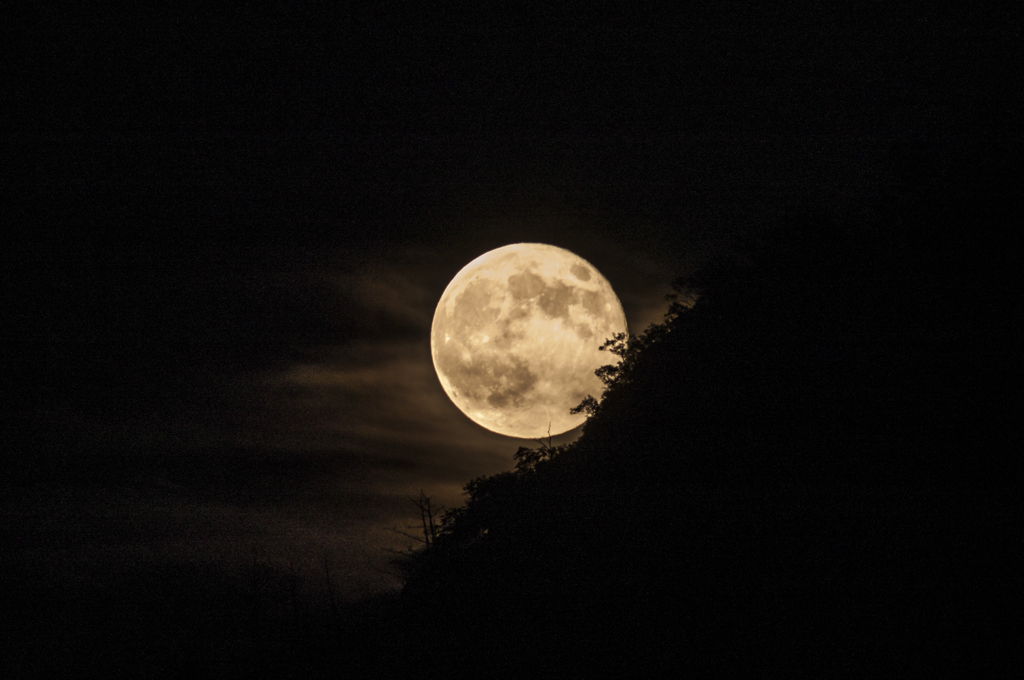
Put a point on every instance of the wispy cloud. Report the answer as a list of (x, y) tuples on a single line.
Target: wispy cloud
[(314, 455), (384, 398)]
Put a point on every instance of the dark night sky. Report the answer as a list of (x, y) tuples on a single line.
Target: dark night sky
[(231, 229)]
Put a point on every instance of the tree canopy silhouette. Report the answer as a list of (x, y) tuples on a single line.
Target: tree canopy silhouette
[(788, 463)]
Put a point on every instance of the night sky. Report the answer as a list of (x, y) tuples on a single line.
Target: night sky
[(228, 231)]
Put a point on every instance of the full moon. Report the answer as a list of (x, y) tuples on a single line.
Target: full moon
[(516, 334)]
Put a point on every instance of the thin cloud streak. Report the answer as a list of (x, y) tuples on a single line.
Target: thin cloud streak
[(384, 396)]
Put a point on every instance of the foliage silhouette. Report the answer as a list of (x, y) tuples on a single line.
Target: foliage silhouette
[(775, 474)]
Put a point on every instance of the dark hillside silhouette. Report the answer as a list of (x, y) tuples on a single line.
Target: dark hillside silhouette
[(804, 469), (797, 470)]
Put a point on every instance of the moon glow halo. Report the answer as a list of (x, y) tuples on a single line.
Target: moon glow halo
[(515, 338)]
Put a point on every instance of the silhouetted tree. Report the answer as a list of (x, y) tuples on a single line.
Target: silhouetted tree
[(777, 470)]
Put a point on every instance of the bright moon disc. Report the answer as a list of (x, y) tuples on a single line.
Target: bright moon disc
[(516, 334)]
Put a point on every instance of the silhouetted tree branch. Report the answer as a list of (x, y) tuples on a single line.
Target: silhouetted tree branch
[(528, 460), (429, 524)]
